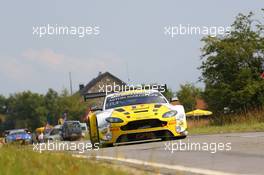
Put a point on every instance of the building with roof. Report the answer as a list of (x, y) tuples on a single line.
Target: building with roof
[(99, 83)]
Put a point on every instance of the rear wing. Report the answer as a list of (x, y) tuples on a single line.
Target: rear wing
[(94, 95), (161, 88)]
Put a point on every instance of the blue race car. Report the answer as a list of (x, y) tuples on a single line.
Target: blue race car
[(18, 135)]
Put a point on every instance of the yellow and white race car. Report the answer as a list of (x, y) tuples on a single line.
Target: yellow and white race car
[(136, 115)]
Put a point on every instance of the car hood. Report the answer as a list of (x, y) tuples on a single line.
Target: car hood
[(135, 112), (140, 111)]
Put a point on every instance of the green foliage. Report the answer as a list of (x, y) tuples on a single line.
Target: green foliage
[(228, 128), (27, 109), (232, 65), (73, 105), (187, 96), (31, 110), (22, 160), (168, 94), (2, 104)]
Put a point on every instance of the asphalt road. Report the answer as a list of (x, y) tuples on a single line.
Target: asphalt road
[(236, 153)]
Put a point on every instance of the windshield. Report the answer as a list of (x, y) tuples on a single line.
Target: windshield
[(55, 131), (134, 99), (74, 125), (19, 132)]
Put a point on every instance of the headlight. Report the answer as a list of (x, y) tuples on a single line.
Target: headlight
[(114, 120), (169, 114), (178, 129)]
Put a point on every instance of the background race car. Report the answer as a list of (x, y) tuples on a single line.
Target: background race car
[(18, 135)]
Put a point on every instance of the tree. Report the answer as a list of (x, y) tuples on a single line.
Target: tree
[(32, 110), (26, 110), (72, 105), (187, 96), (2, 104), (52, 105), (232, 65), (168, 94)]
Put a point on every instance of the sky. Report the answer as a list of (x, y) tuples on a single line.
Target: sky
[(131, 45)]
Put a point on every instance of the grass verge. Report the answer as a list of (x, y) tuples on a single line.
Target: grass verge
[(22, 160), (228, 128)]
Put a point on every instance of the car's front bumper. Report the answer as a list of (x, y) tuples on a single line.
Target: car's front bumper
[(21, 141), (172, 129)]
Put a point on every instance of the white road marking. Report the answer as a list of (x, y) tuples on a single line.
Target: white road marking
[(159, 165)]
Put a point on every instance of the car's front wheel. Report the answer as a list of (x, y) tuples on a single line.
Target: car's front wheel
[(93, 130)]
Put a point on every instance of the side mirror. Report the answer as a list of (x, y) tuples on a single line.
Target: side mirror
[(96, 108)]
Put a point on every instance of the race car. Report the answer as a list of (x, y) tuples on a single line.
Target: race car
[(18, 135), (136, 115)]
